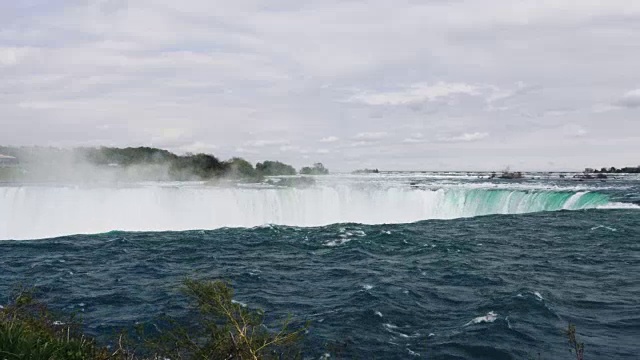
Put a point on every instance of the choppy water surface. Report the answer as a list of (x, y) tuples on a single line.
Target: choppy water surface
[(498, 286)]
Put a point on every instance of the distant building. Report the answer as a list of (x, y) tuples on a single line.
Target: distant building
[(589, 170), (6, 160)]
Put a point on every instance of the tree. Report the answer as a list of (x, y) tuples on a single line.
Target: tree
[(240, 168), (226, 329), (317, 169), (202, 166), (274, 168)]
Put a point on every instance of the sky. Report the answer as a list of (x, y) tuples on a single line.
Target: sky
[(394, 85)]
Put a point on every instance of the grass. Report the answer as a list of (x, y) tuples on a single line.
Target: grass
[(28, 330), (224, 330)]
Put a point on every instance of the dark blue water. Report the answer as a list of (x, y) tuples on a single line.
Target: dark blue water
[(380, 291)]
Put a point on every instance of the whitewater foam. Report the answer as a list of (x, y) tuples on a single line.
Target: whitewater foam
[(618, 205), (604, 227), (336, 242), (29, 212), (394, 330), (489, 318), (413, 353)]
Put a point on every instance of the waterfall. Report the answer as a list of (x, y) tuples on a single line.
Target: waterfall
[(28, 212)]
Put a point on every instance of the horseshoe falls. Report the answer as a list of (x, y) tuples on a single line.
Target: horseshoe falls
[(390, 265), (40, 212)]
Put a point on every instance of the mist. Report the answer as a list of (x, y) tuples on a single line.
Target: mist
[(112, 166)]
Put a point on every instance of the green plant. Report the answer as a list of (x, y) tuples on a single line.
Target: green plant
[(576, 347), (28, 330), (225, 329), (317, 169)]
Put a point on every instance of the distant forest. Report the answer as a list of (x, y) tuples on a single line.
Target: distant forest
[(613, 170), (174, 167)]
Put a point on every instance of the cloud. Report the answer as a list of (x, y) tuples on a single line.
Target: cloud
[(466, 137), (244, 77), (329, 139), (580, 133), (265, 143), (242, 150), (360, 143), (371, 136), (289, 148), (415, 94), (630, 100), (559, 112), (414, 138), (574, 131), (505, 98), (10, 56), (197, 147)]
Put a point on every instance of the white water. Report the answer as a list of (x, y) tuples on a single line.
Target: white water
[(42, 212)]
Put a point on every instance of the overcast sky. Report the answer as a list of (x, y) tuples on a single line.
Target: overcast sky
[(433, 85)]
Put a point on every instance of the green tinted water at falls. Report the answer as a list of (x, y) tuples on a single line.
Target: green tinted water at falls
[(40, 212), (484, 202)]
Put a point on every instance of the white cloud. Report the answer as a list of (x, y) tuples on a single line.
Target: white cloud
[(329, 139), (630, 100), (10, 56), (264, 143), (414, 94), (574, 131), (466, 137), (197, 147), (360, 144), (242, 150), (559, 112), (414, 138), (289, 148), (371, 136), (581, 133), (244, 77)]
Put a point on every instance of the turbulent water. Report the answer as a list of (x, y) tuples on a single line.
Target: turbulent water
[(29, 212), (384, 266)]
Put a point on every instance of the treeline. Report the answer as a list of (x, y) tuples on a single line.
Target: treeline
[(177, 167), (613, 170), (202, 166), (316, 169)]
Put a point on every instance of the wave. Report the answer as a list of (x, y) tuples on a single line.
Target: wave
[(29, 212)]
